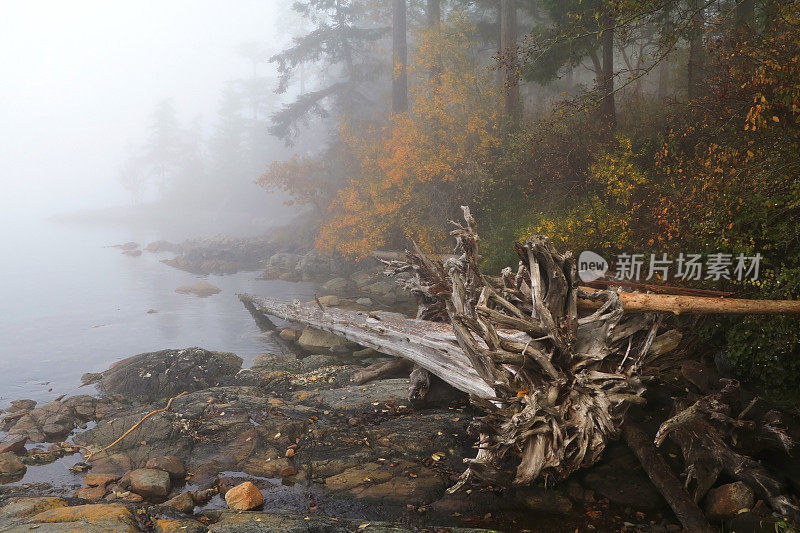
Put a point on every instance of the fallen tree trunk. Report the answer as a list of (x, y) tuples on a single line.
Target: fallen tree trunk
[(638, 302), (686, 510), (430, 345)]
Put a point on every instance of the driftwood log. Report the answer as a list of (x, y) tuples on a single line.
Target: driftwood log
[(554, 385)]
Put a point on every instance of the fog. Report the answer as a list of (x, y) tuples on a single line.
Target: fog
[(81, 79)]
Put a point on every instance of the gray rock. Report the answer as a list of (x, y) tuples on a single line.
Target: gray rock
[(728, 500), (366, 302), (274, 362), (161, 375), (339, 285), (329, 300), (283, 261), (363, 277), (171, 464), (380, 288), (322, 342), (182, 502), (150, 483), (202, 289), (290, 334)]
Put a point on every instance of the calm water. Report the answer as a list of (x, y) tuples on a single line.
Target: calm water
[(69, 305)]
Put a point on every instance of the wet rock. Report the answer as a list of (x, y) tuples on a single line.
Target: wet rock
[(244, 497), (23, 507), (544, 500), (339, 286), (150, 483), (88, 518), (172, 525), (750, 522), (91, 493), (271, 362), (11, 465), (329, 300), (21, 405), (403, 483), (165, 374), (727, 500), (362, 397), (322, 342), (622, 481), (239, 522), (183, 502), (99, 480), (202, 289), (49, 422), (171, 464), (14, 444), (289, 334)]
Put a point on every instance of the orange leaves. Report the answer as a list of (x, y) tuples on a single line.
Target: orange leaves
[(414, 172)]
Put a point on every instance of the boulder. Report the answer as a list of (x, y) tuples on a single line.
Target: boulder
[(99, 480), (322, 342), (363, 278), (289, 334), (202, 289), (329, 300), (728, 500), (183, 502), (150, 483), (244, 497), (171, 464), (14, 444), (11, 465), (338, 285), (91, 493), (160, 375), (49, 422), (132, 253), (366, 302)]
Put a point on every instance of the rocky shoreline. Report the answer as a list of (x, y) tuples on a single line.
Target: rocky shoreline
[(316, 448), (188, 440)]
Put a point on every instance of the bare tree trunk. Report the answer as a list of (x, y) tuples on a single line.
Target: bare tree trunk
[(508, 45), (434, 15), (399, 58), (665, 480), (498, 74), (608, 109), (664, 66), (745, 13), (696, 49)]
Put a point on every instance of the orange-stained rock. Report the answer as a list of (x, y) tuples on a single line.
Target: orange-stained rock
[(115, 517), (20, 507), (244, 497), (99, 480), (91, 493)]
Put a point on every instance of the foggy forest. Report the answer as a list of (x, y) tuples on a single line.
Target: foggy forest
[(400, 265)]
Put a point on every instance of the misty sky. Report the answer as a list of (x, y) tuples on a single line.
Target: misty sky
[(79, 79)]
